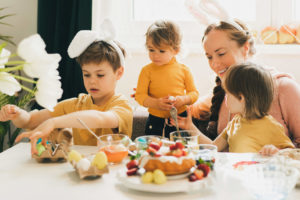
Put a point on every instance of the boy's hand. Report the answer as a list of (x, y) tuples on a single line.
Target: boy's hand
[(42, 131), (268, 150), (185, 123), (164, 103), (9, 112)]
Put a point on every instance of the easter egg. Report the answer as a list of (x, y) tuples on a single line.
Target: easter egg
[(147, 177), (74, 156), (84, 164), (100, 160), (159, 177), (40, 148)]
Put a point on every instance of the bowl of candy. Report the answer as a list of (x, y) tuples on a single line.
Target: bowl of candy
[(270, 180), (115, 146)]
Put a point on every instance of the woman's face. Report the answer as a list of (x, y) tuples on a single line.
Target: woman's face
[(222, 52)]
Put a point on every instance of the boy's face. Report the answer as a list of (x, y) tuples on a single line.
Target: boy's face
[(162, 55), (100, 80)]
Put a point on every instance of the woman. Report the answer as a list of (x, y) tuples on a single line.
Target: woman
[(226, 45)]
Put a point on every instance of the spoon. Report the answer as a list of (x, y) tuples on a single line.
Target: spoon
[(173, 113), (85, 126)]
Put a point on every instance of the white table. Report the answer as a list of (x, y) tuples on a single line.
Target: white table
[(21, 177)]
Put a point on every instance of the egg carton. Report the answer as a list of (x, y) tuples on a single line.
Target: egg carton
[(291, 153), (91, 173), (57, 148)]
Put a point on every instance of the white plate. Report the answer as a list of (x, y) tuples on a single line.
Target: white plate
[(178, 185)]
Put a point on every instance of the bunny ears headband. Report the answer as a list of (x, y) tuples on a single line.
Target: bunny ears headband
[(85, 38), (210, 11)]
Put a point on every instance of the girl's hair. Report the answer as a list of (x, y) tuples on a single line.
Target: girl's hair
[(256, 85), (101, 51), (164, 33), (241, 37)]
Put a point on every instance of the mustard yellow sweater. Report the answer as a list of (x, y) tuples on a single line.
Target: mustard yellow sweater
[(172, 79)]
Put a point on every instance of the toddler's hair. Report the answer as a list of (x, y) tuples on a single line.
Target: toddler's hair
[(255, 83), (101, 51), (164, 33)]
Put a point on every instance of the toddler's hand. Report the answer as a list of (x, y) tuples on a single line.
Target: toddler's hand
[(179, 101), (164, 103), (268, 150), (9, 112)]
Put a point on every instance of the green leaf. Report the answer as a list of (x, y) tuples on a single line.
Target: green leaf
[(6, 99)]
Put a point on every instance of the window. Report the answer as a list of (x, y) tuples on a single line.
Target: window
[(134, 16)]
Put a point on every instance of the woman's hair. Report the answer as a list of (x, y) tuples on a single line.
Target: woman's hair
[(164, 33), (256, 85), (101, 51), (241, 37)]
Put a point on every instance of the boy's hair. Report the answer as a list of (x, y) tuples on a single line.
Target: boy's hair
[(256, 85), (164, 33), (101, 51)]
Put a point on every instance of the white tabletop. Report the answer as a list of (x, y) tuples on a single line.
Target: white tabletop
[(21, 177)]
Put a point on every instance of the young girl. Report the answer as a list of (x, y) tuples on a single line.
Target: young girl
[(163, 78), (249, 94), (101, 109)]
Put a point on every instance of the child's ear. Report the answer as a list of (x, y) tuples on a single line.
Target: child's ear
[(120, 72), (242, 98)]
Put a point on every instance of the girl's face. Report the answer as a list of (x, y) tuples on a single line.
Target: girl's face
[(234, 104), (100, 80), (222, 52), (162, 55)]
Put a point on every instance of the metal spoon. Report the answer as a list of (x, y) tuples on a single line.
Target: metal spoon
[(85, 126), (173, 113)]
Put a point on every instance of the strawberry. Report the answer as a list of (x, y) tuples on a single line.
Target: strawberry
[(160, 143), (173, 147), (157, 155), (199, 174), (131, 171), (154, 145), (132, 164), (204, 168), (179, 145), (177, 153), (151, 151), (184, 153), (192, 177)]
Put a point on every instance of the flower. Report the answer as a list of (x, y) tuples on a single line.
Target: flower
[(37, 64)]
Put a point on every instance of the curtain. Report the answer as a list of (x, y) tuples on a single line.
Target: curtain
[(58, 22)]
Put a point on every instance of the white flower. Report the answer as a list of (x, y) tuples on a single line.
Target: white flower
[(8, 84), (48, 91), (4, 55), (31, 48)]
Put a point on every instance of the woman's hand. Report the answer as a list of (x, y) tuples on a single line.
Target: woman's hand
[(268, 150), (9, 112), (185, 123), (42, 131)]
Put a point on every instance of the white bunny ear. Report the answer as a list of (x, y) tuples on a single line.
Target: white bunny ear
[(195, 10), (81, 41), (214, 9), (108, 31)]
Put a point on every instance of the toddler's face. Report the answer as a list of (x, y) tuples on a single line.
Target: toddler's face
[(235, 105), (162, 55), (100, 80)]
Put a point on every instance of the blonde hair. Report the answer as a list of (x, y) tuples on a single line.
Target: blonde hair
[(256, 85), (164, 33)]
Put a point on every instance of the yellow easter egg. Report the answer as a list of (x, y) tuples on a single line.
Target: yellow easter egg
[(147, 177), (100, 160), (74, 156), (159, 177)]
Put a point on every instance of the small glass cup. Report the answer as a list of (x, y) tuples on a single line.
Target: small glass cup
[(205, 152), (187, 137), (115, 146), (143, 142)]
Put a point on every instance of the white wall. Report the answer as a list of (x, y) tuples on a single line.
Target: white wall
[(24, 22)]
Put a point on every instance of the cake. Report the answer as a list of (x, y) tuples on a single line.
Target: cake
[(298, 34), (269, 35), (286, 35), (172, 161)]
